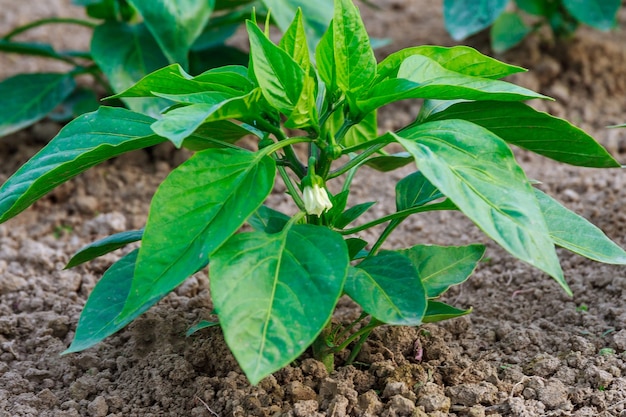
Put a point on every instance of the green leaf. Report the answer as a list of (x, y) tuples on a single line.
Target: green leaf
[(268, 220), (104, 246), (83, 143), (463, 18), (182, 122), (438, 311), (193, 212), (175, 24), (202, 325), (304, 114), (573, 232), (523, 126), (354, 58), (461, 59), (279, 76), (507, 31), (356, 247), (175, 82), (386, 163), (316, 16), (421, 77), (136, 54), (388, 287), (325, 60), (352, 214), (440, 267), (362, 132), (600, 14), (415, 190), (99, 317), (275, 293), (536, 7), (294, 42), (477, 171), (28, 98), (217, 134)]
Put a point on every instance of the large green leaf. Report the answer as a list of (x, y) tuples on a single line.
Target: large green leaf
[(175, 24), (135, 55), (463, 18), (601, 14), (104, 246), (573, 232), (388, 287), (523, 126), (105, 303), (316, 15), (477, 171), (440, 267), (279, 76), (83, 143), (461, 59), (27, 98), (422, 77), (355, 62), (275, 293), (194, 211)]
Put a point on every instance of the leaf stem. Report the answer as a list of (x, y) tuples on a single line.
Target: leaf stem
[(444, 205), (47, 21), (357, 161), (291, 188)]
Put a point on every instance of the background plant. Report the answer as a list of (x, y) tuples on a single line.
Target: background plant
[(467, 17), (274, 289), (132, 38)]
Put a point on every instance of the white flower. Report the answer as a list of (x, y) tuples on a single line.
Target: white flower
[(316, 200)]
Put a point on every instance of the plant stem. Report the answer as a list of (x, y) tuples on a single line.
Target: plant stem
[(358, 160), (291, 188), (52, 20), (385, 234), (384, 139), (295, 163), (444, 205)]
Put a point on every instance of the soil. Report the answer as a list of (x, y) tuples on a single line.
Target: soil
[(526, 350)]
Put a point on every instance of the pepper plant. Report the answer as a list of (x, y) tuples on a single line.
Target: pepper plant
[(508, 28), (131, 38), (274, 289)]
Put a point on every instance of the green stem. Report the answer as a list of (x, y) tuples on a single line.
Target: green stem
[(358, 160), (365, 330), (53, 20), (384, 139), (445, 205), (291, 188), (343, 129), (357, 347), (295, 163), (284, 143), (384, 235), (351, 326)]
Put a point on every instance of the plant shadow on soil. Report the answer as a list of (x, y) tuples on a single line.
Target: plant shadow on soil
[(526, 350)]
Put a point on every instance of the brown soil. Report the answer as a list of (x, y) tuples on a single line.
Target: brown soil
[(527, 349)]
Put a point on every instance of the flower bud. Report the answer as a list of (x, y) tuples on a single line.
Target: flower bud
[(316, 199)]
